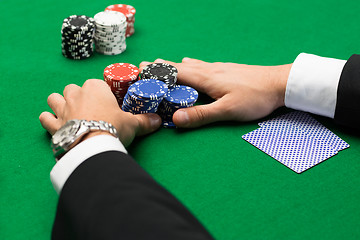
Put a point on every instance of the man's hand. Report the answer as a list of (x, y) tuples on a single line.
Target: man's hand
[(241, 92), (95, 101)]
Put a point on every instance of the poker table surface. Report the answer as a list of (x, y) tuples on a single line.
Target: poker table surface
[(234, 189)]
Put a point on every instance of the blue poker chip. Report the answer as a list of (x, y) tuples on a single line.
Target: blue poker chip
[(136, 105), (168, 124), (181, 95), (130, 101), (176, 98), (149, 89), (126, 107)]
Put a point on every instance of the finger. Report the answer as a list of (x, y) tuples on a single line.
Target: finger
[(159, 60), (99, 85), (191, 60), (147, 123), (95, 83), (49, 122), (143, 64), (56, 102), (200, 115), (70, 91), (190, 74)]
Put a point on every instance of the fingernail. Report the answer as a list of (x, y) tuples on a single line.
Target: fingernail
[(145, 63), (182, 116), (155, 121), (185, 59), (159, 60)]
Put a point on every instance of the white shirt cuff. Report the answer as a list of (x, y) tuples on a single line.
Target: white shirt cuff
[(81, 152), (312, 84)]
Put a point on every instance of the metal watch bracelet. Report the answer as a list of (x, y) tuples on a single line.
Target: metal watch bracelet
[(74, 130)]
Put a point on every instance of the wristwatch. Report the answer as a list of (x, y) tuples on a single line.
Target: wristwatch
[(74, 130)]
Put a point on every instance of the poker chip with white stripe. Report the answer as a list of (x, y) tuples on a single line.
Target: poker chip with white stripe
[(177, 97), (144, 96), (160, 71), (110, 32), (77, 34), (129, 11)]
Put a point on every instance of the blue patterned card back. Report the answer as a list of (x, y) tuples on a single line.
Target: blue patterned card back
[(309, 125), (290, 146)]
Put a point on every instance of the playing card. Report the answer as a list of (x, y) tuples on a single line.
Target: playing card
[(290, 146), (311, 126)]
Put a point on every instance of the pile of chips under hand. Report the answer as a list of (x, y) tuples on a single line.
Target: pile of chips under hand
[(155, 95)]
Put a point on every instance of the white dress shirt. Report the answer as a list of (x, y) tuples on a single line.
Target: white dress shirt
[(312, 84)]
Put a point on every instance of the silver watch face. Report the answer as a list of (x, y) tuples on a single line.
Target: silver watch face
[(66, 131)]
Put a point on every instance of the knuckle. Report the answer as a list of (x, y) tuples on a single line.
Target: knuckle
[(201, 113), (69, 87), (51, 97), (91, 82), (42, 116), (159, 60), (88, 83)]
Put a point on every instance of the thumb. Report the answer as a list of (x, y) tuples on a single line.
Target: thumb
[(148, 123), (199, 115)]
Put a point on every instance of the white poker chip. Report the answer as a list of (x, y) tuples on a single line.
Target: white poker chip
[(110, 33)]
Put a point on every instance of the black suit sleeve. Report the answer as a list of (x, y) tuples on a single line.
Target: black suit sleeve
[(347, 111), (109, 196)]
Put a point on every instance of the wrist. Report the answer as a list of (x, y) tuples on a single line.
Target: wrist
[(279, 76), (90, 135), (75, 131)]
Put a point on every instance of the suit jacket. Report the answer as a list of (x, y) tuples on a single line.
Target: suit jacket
[(347, 111), (109, 196)]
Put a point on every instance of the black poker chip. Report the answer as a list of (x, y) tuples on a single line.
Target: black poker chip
[(161, 71), (77, 37)]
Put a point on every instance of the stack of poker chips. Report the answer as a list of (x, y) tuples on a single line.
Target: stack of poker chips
[(119, 76), (110, 32), (177, 97), (129, 12), (144, 96), (77, 34), (160, 71)]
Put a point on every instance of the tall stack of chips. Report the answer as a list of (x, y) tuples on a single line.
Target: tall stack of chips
[(160, 71), (144, 96), (177, 97), (119, 76), (129, 12), (77, 34), (110, 32)]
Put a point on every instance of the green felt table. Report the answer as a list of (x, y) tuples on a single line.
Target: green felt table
[(234, 189)]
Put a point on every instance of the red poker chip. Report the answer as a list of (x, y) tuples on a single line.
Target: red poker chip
[(127, 10), (119, 93), (121, 84), (123, 72), (117, 85)]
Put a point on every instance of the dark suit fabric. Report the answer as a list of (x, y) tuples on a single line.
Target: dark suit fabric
[(109, 196), (347, 111)]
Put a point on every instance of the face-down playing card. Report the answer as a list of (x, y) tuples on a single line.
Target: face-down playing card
[(291, 146), (311, 126)]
